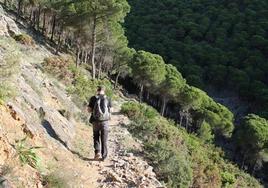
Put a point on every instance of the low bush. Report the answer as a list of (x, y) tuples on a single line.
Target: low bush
[(27, 155), (60, 67), (227, 178), (79, 84), (25, 39), (82, 88), (182, 159)]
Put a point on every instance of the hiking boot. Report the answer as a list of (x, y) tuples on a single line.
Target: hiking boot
[(97, 156), (103, 159)]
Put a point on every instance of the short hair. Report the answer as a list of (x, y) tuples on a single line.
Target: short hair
[(100, 88)]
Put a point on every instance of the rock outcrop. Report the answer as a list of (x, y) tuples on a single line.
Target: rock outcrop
[(8, 27)]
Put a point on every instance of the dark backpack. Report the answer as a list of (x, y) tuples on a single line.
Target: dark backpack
[(101, 111)]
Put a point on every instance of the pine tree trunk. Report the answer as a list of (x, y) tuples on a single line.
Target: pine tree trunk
[(116, 79), (86, 56), (82, 56), (141, 92), (77, 57), (100, 68), (5, 3), (34, 19), (24, 12), (31, 15), (148, 96), (93, 48), (59, 41), (44, 22), (53, 28), (187, 121), (181, 118), (19, 9), (163, 108), (38, 17)]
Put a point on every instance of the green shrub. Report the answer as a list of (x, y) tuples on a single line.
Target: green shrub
[(205, 132), (25, 39), (171, 165), (27, 155), (134, 110), (182, 159), (83, 88), (166, 153), (227, 178)]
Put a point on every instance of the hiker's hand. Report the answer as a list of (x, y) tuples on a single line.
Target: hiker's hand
[(89, 109)]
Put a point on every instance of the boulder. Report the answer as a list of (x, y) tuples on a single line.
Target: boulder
[(3, 25), (12, 27), (8, 26)]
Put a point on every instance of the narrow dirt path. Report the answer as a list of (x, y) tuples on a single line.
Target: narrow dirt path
[(122, 168)]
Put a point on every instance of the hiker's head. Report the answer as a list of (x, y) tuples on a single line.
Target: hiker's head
[(101, 90)]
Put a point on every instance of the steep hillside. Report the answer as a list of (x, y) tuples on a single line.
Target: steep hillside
[(220, 43), (48, 91), (43, 140)]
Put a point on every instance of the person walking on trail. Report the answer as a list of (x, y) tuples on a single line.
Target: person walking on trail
[(100, 108)]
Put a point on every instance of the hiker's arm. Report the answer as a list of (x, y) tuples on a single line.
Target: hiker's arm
[(110, 106), (90, 105), (89, 109)]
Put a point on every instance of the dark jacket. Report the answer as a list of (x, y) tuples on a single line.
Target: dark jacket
[(91, 104)]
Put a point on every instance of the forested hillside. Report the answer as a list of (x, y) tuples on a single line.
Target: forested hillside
[(183, 150), (212, 42)]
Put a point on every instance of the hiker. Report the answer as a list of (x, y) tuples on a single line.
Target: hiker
[(100, 108)]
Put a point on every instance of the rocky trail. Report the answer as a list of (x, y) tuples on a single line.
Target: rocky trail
[(65, 143)]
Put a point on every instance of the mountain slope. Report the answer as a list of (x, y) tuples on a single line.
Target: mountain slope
[(53, 121), (220, 43), (36, 112)]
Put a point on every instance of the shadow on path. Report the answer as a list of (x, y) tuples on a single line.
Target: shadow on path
[(51, 132), (116, 113)]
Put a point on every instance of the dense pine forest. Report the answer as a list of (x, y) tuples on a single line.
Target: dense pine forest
[(200, 43), (218, 43)]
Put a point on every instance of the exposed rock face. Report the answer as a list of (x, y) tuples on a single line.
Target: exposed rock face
[(12, 27), (8, 27), (3, 26), (12, 128)]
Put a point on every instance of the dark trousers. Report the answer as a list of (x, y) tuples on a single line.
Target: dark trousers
[(100, 136)]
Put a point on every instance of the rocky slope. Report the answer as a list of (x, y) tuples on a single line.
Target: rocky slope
[(65, 143)]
